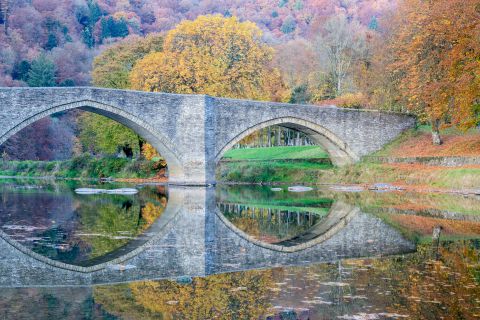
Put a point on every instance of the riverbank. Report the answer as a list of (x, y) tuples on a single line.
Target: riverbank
[(406, 162), (87, 167)]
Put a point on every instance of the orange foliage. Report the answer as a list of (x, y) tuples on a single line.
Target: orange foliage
[(453, 145), (425, 225), (348, 100), (437, 59)]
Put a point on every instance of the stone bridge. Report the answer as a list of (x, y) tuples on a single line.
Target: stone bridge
[(192, 238), (192, 132)]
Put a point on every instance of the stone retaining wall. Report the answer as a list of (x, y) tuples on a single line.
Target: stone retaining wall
[(429, 161)]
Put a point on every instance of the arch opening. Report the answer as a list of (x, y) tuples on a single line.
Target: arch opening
[(149, 134), (281, 150), (338, 151)]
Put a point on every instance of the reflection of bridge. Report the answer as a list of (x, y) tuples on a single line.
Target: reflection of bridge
[(192, 239), (192, 132)]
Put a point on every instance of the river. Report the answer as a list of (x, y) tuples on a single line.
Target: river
[(235, 252)]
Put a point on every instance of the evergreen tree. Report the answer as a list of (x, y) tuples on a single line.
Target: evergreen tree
[(41, 73), (289, 25), (373, 25), (87, 36), (20, 70), (52, 42), (112, 28), (300, 95)]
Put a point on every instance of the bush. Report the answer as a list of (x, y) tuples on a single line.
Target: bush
[(349, 100)]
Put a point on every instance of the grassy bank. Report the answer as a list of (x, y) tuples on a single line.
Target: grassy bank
[(270, 165), (277, 153), (84, 166), (270, 171), (362, 173), (274, 164)]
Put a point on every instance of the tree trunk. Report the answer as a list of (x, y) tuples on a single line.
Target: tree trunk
[(141, 142), (436, 139), (269, 137), (278, 140)]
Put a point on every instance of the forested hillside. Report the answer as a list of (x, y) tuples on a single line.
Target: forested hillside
[(71, 32)]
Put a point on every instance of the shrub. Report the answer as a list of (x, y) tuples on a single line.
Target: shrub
[(349, 100)]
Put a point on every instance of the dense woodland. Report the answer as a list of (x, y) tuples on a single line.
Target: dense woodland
[(406, 55)]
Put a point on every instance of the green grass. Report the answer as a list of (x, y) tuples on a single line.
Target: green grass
[(270, 171), (277, 153)]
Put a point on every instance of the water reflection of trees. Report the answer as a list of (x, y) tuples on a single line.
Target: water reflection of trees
[(108, 224), (61, 225), (243, 295), (272, 224), (416, 285), (272, 216)]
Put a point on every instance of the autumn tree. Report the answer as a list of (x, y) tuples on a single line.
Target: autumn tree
[(212, 55), (111, 70), (437, 52), (339, 45), (222, 296), (112, 67)]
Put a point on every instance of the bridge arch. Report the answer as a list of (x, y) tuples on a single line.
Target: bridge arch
[(338, 150), (163, 145)]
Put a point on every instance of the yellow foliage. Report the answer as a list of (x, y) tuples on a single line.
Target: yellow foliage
[(224, 296), (212, 55), (151, 212), (149, 151)]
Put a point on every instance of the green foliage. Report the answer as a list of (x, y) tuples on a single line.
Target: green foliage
[(20, 70), (84, 166), (108, 219), (52, 42), (101, 135), (67, 83), (88, 16), (112, 67), (373, 25), (41, 73), (282, 3), (298, 5), (274, 14), (271, 171), (87, 37), (112, 28), (300, 94)]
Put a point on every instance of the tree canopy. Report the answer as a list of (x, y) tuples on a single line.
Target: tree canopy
[(212, 55), (112, 67), (437, 60)]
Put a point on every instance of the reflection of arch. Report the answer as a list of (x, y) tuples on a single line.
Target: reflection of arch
[(157, 230), (160, 142), (339, 216), (338, 150)]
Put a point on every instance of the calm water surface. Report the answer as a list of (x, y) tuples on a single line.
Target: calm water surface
[(235, 252)]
